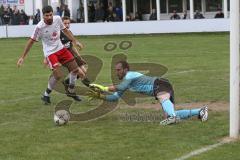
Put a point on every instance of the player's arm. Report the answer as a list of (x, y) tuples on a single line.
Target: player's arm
[(25, 52), (114, 97), (72, 38), (77, 56), (75, 52)]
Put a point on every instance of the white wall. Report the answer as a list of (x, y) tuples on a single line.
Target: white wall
[(20, 31), (140, 27), (166, 26), (2, 31)]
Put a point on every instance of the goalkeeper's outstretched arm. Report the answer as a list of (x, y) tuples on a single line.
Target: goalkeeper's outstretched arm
[(113, 97), (124, 85), (117, 89)]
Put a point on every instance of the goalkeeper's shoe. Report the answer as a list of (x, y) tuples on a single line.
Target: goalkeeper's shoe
[(203, 113), (46, 99), (170, 120)]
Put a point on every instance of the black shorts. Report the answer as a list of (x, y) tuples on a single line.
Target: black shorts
[(163, 85)]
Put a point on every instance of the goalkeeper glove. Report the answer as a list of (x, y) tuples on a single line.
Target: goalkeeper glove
[(95, 95), (98, 87)]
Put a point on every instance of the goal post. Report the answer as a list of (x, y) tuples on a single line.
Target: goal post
[(234, 69)]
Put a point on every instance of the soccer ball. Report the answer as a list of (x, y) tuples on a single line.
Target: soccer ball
[(61, 117)]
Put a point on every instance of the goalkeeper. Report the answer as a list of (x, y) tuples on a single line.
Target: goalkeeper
[(160, 88)]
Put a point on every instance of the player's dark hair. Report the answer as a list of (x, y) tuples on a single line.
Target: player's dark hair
[(47, 9), (124, 64), (66, 18)]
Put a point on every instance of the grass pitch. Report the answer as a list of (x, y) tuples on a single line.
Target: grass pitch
[(198, 67)]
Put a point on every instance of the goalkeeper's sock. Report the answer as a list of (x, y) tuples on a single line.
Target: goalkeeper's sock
[(187, 113), (168, 107)]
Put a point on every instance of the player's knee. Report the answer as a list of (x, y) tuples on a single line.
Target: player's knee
[(81, 73), (83, 69), (162, 96), (58, 77), (75, 71)]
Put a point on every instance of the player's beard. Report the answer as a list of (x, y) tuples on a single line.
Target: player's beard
[(49, 21), (120, 77)]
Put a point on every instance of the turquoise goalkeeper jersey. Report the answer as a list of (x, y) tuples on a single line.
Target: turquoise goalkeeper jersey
[(135, 82)]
